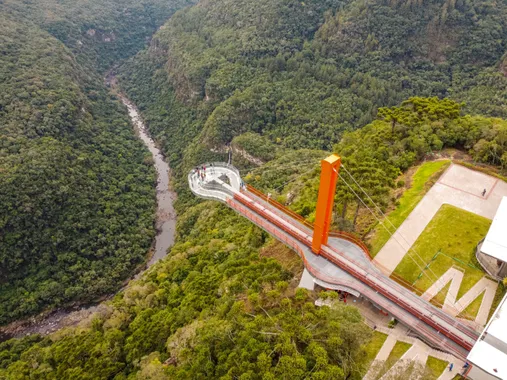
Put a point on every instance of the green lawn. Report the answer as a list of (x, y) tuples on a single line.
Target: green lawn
[(454, 233), (422, 180), (397, 352), (471, 310), (374, 346), (436, 367)]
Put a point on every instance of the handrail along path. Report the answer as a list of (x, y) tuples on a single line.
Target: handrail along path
[(223, 183)]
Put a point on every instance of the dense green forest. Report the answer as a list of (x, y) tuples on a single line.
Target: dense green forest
[(384, 84), (221, 306), (100, 34), (273, 76), (214, 308), (77, 194), (302, 73)]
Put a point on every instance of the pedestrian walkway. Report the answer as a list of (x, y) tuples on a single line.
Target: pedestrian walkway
[(458, 186), (419, 351), (340, 263), (386, 349)]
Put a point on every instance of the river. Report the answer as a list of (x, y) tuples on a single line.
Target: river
[(166, 216), (47, 323)]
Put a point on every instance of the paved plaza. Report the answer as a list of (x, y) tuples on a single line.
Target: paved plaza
[(462, 188), (459, 187), (418, 352)]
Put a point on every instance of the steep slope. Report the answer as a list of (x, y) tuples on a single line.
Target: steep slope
[(77, 200), (99, 33), (303, 86), (212, 76), (219, 306), (76, 189), (427, 48)]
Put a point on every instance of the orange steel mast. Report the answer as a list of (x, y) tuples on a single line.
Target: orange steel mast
[(328, 178)]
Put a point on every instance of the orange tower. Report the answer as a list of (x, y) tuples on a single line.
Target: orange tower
[(328, 177)]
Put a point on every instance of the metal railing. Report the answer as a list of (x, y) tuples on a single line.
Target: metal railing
[(289, 231), (219, 164), (202, 190), (342, 235), (333, 233), (294, 244), (361, 274)]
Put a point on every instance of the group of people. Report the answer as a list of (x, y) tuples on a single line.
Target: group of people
[(201, 171), (343, 295), (464, 369)]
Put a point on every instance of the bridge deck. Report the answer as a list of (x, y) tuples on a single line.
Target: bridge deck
[(340, 262)]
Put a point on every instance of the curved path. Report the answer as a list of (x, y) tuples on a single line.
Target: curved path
[(341, 263)]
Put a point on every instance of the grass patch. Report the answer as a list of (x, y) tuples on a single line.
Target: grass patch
[(436, 367), (471, 310), (422, 180), (455, 233), (381, 368), (397, 352), (374, 346)]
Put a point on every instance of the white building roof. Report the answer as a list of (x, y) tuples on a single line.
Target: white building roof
[(490, 351), (495, 243)]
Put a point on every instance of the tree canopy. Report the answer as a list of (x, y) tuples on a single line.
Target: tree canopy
[(280, 83), (77, 199)]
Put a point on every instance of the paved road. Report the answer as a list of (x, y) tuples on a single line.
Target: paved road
[(458, 186)]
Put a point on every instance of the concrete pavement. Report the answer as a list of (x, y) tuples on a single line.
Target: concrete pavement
[(453, 306), (458, 186), (419, 350)]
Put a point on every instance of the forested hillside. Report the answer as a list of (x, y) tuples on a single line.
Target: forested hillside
[(99, 33), (224, 303), (283, 83), (216, 307), (77, 195), (213, 77), (302, 86)]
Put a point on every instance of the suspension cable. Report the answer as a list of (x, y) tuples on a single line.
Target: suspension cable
[(437, 279), (386, 218), (365, 205)]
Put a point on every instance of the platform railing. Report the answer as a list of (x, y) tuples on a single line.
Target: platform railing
[(282, 237), (305, 239), (345, 236), (292, 243)]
